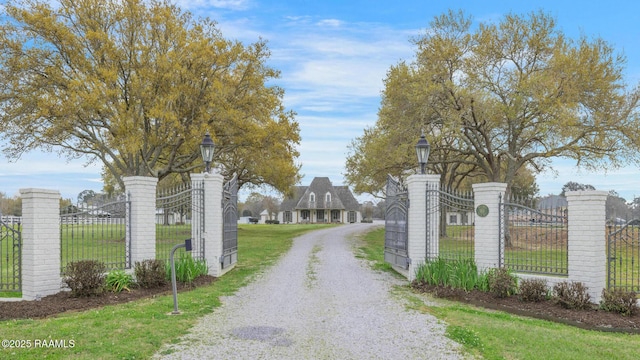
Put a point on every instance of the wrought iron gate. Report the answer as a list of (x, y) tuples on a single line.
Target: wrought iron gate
[(11, 255), (396, 226), (230, 223), (623, 253)]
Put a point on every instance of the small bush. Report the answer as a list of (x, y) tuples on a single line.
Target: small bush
[(187, 269), (435, 272), (272, 222), (571, 295), (119, 280), (85, 278), (483, 281), (533, 290), (150, 273), (502, 283), (620, 301), (464, 274)]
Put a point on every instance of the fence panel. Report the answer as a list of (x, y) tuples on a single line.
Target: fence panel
[(180, 216), (10, 254), (535, 240), (99, 232), (623, 253), (456, 233)]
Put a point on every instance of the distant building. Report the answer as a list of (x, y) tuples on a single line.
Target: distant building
[(320, 202)]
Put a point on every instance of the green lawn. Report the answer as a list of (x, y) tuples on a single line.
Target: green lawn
[(497, 335), (138, 329)]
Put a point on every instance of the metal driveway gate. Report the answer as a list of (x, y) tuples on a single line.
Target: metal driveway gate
[(623, 253), (230, 223), (396, 225), (11, 255)]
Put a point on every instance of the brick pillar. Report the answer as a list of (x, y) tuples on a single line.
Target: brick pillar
[(488, 250), (143, 216), (213, 222), (587, 240), (40, 243), (417, 218)]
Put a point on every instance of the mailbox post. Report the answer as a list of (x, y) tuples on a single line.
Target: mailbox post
[(187, 246)]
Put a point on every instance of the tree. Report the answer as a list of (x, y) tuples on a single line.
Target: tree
[(574, 186), (616, 207), (506, 96), (86, 197), (136, 84)]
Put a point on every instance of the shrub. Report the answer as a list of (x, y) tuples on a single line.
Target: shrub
[(187, 269), (119, 280), (483, 281), (533, 290), (272, 221), (435, 272), (150, 273), (85, 278), (571, 295), (501, 282), (464, 274), (620, 301)]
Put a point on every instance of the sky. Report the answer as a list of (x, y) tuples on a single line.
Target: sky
[(334, 55)]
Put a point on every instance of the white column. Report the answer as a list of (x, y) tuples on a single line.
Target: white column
[(213, 220), (40, 243), (487, 232), (143, 216), (417, 218), (587, 240)]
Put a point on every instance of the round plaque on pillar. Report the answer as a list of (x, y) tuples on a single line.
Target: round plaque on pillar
[(482, 210)]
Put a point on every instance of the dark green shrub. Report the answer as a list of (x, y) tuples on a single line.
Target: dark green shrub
[(272, 221), (571, 295), (533, 290), (119, 280), (85, 278), (620, 301), (150, 273), (502, 283)]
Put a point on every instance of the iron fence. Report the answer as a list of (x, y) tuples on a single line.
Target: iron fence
[(456, 223), (534, 240), (180, 216), (623, 254), (98, 232), (10, 254)]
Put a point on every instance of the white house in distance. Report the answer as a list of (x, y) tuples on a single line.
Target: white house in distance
[(320, 202)]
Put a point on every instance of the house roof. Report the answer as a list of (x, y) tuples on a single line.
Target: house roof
[(340, 197)]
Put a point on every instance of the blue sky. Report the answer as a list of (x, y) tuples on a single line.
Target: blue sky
[(334, 55)]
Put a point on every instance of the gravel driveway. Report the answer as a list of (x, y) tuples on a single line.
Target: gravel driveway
[(317, 302)]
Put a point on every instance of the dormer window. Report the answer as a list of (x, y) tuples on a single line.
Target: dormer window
[(328, 197), (312, 197)]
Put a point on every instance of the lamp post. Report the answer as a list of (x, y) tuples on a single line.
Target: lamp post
[(206, 148), (422, 150)]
